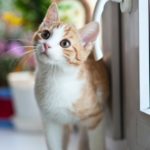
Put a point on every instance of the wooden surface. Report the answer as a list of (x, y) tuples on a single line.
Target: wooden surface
[(111, 44), (136, 125)]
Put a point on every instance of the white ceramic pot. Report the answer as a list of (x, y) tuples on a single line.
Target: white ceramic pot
[(27, 115)]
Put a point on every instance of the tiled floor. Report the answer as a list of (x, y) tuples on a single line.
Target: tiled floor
[(13, 140)]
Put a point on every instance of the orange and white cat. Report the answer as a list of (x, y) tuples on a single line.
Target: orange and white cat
[(71, 88)]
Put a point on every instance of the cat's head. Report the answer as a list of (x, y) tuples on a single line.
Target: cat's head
[(60, 43)]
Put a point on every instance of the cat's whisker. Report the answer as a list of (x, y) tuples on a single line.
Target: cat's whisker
[(32, 49), (24, 60), (14, 62), (29, 51), (20, 40), (23, 47), (13, 49)]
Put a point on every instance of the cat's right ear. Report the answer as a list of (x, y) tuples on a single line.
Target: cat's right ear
[(51, 15), (89, 34)]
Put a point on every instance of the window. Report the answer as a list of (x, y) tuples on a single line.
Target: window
[(144, 40)]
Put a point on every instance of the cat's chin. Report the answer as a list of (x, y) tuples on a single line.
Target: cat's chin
[(49, 62)]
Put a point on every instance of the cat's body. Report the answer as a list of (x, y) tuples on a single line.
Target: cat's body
[(72, 95), (71, 88), (61, 90)]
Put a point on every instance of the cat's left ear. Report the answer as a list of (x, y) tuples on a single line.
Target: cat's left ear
[(51, 15), (89, 33)]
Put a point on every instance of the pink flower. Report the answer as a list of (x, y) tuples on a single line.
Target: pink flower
[(15, 49)]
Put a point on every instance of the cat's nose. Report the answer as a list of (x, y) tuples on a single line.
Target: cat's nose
[(45, 47)]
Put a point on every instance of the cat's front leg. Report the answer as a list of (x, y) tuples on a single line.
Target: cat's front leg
[(54, 135)]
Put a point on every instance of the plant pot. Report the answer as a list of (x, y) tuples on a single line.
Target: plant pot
[(27, 115)]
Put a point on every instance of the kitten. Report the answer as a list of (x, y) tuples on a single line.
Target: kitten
[(71, 88)]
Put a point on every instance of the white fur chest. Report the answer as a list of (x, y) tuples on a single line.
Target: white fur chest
[(56, 93)]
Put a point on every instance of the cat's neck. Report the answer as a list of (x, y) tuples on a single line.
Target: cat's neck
[(58, 70)]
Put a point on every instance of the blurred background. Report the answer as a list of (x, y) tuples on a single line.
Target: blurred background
[(20, 121), (127, 126)]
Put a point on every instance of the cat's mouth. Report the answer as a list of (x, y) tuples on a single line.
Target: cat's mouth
[(44, 49)]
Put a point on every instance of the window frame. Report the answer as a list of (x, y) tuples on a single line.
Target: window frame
[(144, 56)]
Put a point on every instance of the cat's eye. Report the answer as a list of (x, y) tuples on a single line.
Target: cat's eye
[(65, 43), (45, 34)]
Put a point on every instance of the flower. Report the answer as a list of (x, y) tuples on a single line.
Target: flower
[(15, 49), (12, 19), (12, 49)]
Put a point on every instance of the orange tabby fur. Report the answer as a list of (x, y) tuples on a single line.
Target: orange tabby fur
[(87, 108)]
